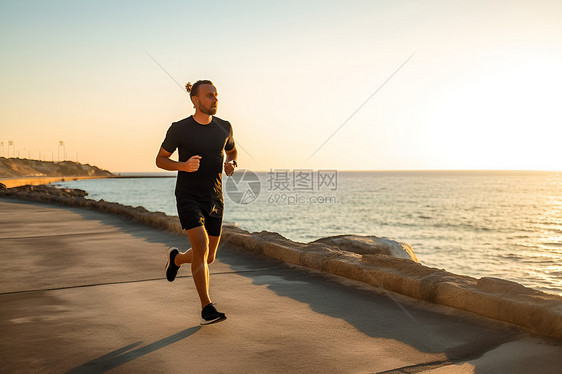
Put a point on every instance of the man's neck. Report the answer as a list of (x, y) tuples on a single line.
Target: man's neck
[(202, 118)]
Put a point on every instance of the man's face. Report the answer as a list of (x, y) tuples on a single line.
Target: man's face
[(207, 99)]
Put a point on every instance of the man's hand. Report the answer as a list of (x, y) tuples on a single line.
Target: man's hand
[(229, 168), (192, 164)]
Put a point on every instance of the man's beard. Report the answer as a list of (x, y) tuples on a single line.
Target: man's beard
[(209, 111)]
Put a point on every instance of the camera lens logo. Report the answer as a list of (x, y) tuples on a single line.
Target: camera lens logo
[(243, 187)]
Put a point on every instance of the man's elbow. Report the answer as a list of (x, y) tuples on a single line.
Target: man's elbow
[(158, 161)]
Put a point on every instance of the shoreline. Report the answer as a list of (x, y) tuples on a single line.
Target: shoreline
[(36, 181), (494, 298)]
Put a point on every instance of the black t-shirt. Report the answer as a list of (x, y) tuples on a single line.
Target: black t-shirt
[(208, 141)]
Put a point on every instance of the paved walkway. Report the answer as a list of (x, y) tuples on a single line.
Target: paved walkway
[(83, 292)]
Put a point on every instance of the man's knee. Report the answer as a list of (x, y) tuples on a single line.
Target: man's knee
[(213, 246), (201, 255)]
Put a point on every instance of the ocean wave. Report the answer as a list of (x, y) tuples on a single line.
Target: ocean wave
[(554, 244), (518, 237), (511, 256), (556, 273), (464, 226), (546, 223)]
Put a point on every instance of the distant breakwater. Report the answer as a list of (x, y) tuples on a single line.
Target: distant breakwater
[(23, 167), (15, 172), (36, 181), (381, 263)]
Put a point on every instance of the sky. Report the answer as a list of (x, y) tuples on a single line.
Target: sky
[(473, 85)]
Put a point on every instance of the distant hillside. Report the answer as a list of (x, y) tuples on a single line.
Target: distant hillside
[(18, 167)]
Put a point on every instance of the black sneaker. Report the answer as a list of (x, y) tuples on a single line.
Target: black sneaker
[(209, 315), (171, 267)]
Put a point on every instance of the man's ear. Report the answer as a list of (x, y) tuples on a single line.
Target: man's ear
[(195, 101)]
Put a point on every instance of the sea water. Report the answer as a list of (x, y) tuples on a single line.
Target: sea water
[(501, 224)]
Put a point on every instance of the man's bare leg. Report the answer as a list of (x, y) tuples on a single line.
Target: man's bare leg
[(212, 243), (199, 267), (202, 253)]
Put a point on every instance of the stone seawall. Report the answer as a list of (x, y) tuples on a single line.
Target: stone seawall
[(495, 298)]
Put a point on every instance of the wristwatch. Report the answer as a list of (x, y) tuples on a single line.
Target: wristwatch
[(234, 163)]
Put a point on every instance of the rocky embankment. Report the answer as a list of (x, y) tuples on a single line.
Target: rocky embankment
[(380, 262), (18, 167)]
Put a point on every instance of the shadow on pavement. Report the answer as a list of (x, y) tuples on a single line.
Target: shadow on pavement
[(123, 355)]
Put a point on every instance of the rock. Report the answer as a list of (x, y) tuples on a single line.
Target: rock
[(370, 245), (501, 286)]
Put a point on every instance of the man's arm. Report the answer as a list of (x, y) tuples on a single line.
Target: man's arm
[(231, 155), (163, 161)]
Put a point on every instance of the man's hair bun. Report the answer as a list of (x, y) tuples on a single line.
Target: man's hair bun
[(194, 88)]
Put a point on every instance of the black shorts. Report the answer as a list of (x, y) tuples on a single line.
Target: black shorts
[(195, 213)]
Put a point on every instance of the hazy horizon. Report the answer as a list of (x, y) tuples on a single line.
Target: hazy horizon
[(296, 169)]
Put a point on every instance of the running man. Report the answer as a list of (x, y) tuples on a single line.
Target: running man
[(200, 140)]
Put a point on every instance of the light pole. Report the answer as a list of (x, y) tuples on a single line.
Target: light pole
[(11, 144), (61, 144)]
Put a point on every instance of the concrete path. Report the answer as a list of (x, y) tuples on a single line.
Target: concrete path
[(83, 292)]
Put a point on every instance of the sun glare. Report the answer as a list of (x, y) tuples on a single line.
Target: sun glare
[(506, 117)]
